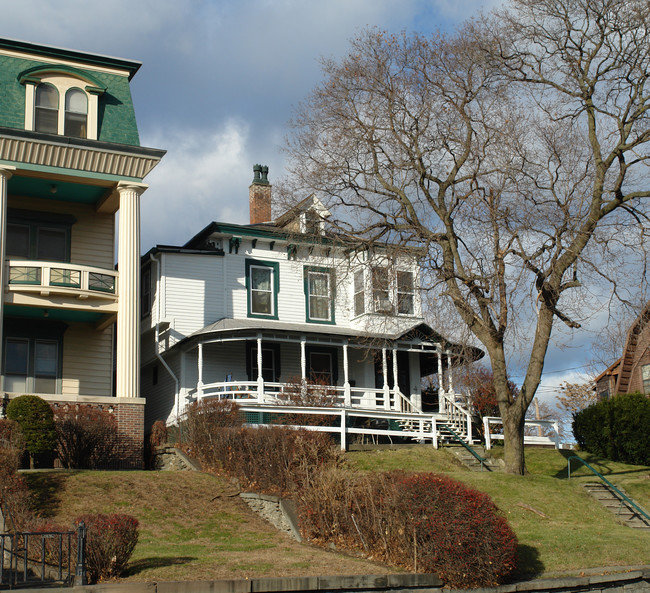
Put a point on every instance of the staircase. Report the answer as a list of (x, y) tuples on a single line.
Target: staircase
[(624, 512), (469, 461)]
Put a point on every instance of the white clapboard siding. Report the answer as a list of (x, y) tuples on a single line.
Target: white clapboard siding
[(92, 241), (87, 360), (161, 396), (193, 291)]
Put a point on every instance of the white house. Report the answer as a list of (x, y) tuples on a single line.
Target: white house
[(240, 311)]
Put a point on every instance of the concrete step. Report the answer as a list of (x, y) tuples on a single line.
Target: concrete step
[(611, 500)]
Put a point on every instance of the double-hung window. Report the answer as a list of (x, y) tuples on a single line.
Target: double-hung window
[(263, 285), (38, 236), (405, 293), (381, 290), (319, 295), (645, 370), (32, 363), (359, 293)]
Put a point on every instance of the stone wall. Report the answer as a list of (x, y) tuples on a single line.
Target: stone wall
[(279, 512)]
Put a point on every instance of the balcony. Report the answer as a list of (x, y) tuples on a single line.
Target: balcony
[(47, 280)]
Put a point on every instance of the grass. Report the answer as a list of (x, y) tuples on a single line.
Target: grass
[(193, 528), (573, 531)]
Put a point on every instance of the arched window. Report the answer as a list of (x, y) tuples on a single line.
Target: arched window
[(76, 113), (46, 113)]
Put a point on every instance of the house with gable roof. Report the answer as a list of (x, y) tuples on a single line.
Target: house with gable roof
[(245, 311), (70, 159)]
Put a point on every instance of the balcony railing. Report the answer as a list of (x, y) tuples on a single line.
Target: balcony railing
[(62, 278)]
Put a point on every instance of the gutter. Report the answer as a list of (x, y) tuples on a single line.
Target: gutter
[(156, 337)]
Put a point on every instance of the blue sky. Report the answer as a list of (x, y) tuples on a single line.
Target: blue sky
[(217, 86)]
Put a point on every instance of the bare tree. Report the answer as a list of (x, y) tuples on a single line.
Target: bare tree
[(513, 152)]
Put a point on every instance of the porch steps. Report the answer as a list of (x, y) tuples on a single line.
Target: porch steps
[(625, 513), (470, 462)]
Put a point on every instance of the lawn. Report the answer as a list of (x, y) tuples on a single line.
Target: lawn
[(192, 527), (570, 531)]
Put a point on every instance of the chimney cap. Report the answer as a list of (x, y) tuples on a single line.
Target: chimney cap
[(260, 175)]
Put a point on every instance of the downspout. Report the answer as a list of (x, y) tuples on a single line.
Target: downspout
[(156, 342)]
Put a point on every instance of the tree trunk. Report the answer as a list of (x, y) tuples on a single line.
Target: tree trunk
[(513, 439)]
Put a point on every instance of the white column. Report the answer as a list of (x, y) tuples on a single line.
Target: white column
[(199, 383), (5, 174), (128, 313), (449, 373), (260, 377), (441, 389), (384, 368), (347, 395), (396, 392), (303, 365)]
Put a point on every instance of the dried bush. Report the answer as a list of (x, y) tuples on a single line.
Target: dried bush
[(12, 446), (110, 542), (46, 549), (87, 437), (268, 459), (314, 393), (423, 522), (158, 435), (16, 501)]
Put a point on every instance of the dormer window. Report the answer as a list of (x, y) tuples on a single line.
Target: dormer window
[(61, 101), (46, 109), (76, 113)]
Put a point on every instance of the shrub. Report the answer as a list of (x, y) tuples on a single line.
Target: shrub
[(86, 437), (12, 446), (159, 434), (422, 522), (205, 419), (36, 421), (110, 542), (616, 428), (315, 393)]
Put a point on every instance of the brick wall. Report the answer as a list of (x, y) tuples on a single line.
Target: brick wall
[(641, 358), (259, 203)]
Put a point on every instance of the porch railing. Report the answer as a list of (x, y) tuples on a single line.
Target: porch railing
[(61, 277), (528, 439), (359, 397)]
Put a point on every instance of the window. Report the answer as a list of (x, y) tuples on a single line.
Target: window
[(32, 238), (405, 293), (145, 285), (62, 100), (389, 288), (76, 113), (359, 293), (312, 222), (645, 370), (46, 109), (319, 295), (322, 364), (270, 361), (32, 365), (381, 290), (263, 285)]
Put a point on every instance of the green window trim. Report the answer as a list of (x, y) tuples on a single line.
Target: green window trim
[(275, 270), (332, 294)]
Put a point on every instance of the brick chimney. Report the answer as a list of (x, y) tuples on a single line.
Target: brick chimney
[(259, 195)]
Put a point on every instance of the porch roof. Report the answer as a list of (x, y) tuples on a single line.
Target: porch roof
[(419, 336)]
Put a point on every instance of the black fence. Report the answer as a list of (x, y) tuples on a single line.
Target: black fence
[(48, 557)]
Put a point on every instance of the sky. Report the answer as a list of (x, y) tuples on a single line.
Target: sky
[(219, 81)]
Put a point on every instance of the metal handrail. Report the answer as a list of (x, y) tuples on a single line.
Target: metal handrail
[(604, 479), (457, 437)]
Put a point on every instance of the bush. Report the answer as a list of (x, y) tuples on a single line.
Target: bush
[(87, 437), (423, 522), (12, 446), (616, 428), (159, 434), (110, 542), (315, 393), (269, 459), (36, 421), (16, 501)]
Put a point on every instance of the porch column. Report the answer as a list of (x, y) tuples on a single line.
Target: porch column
[(384, 368), (396, 391), (199, 383), (128, 313), (260, 377), (5, 174), (449, 373), (347, 395), (303, 366), (441, 389)]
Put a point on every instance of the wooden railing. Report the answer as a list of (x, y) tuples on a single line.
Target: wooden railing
[(60, 277)]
